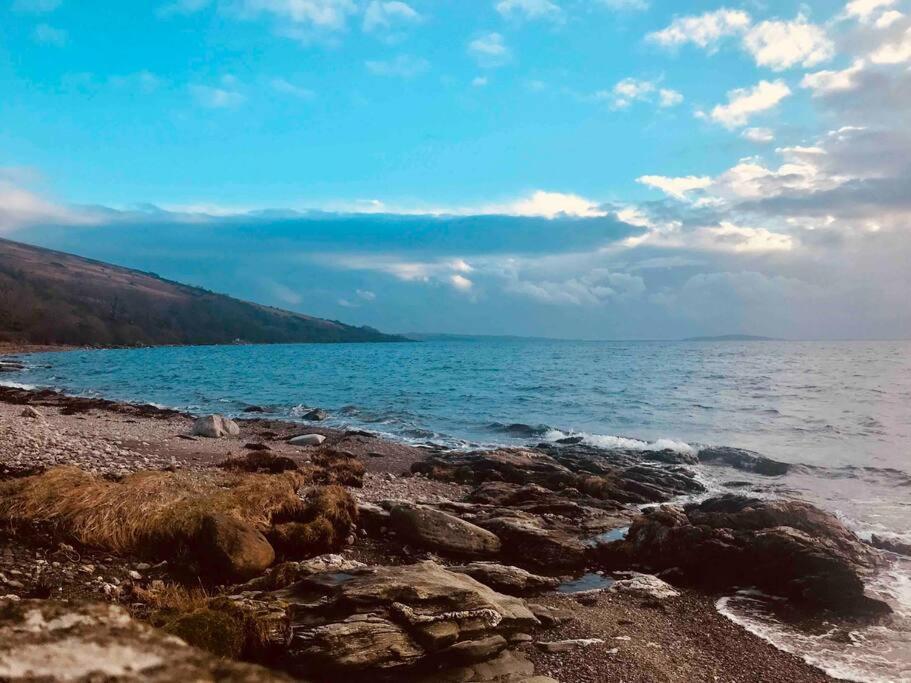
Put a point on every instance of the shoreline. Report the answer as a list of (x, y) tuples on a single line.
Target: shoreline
[(685, 637)]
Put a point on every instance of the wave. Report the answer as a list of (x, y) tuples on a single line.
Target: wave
[(18, 385), (611, 442), (879, 653)]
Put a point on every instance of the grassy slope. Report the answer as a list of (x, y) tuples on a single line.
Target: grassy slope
[(48, 297)]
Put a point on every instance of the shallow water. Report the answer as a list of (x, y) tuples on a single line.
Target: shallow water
[(840, 411)]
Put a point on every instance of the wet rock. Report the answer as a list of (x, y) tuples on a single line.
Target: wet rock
[(396, 617), (307, 440), (741, 459), (507, 579), (789, 548), (315, 415), (54, 642), (891, 545), (215, 427), (254, 409), (437, 530), (644, 585)]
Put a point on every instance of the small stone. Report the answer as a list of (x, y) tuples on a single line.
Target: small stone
[(30, 413), (567, 645), (135, 575), (307, 440)]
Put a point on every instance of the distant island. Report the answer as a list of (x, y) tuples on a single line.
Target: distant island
[(51, 298), (732, 337)]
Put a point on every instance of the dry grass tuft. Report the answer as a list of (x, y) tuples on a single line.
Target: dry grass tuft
[(161, 515), (336, 467), (328, 514)]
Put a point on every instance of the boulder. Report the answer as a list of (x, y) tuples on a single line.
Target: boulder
[(307, 440), (31, 413), (786, 547), (56, 641), (393, 618), (215, 427), (529, 539), (892, 545), (507, 579), (645, 586), (741, 459), (232, 550), (315, 415), (507, 667), (437, 530)]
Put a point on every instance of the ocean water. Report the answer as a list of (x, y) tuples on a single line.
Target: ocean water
[(840, 411)]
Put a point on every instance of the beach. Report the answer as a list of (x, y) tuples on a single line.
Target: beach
[(680, 638)]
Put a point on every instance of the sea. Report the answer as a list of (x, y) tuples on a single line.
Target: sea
[(840, 412)]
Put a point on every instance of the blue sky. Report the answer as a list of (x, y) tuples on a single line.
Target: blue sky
[(619, 168)]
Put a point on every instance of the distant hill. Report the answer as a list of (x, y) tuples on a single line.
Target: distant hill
[(48, 297), (733, 337)]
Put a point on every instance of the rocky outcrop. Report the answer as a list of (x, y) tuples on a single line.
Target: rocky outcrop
[(56, 641), (437, 530), (507, 579), (645, 586), (600, 475), (789, 548), (892, 545), (215, 427), (395, 618)]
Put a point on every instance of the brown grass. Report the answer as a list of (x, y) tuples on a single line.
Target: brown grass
[(159, 514)]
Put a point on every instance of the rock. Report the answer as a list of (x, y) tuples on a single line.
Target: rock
[(55, 642), (436, 530), (232, 550), (315, 415), (550, 616), (307, 440), (507, 579), (31, 413), (254, 409), (507, 667), (526, 537), (741, 459), (567, 645), (644, 585), (587, 598), (396, 617), (215, 427), (785, 547), (892, 545)]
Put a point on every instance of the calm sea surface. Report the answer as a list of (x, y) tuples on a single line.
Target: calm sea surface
[(840, 410)]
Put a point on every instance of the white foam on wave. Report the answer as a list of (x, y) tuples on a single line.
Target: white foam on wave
[(872, 654), (17, 385), (608, 441)]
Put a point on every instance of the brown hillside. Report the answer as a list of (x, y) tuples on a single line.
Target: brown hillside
[(48, 297)]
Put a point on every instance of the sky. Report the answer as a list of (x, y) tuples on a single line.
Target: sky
[(568, 168)]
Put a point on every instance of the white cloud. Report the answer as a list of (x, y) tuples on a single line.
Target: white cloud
[(739, 239), (225, 97), (365, 294), (286, 87), (460, 282), (886, 19), (50, 35), (895, 52), (631, 90), (479, 81), (781, 45), (549, 205), (827, 82), (489, 50), (705, 30), (669, 98), (598, 286), (678, 188), (866, 10), (746, 102), (36, 6), (402, 66), (384, 16), (302, 20), (529, 9), (758, 135), (21, 208)]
